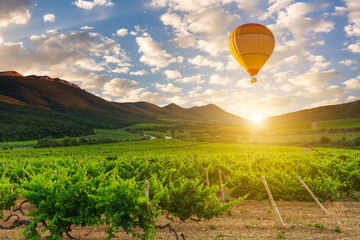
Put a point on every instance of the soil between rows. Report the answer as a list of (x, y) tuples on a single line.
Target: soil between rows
[(249, 220)]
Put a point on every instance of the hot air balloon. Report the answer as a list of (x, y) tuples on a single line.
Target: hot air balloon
[(251, 45)]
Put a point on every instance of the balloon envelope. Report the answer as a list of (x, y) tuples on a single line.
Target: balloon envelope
[(251, 45)]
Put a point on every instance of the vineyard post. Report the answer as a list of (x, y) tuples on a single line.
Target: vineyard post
[(147, 190), (272, 200), (207, 177), (12, 208), (221, 188), (312, 195)]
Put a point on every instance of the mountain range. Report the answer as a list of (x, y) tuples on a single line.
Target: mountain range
[(36, 106)]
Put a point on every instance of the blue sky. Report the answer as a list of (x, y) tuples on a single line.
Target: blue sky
[(165, 51)]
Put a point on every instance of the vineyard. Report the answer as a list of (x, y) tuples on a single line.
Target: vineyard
[(104, 184)]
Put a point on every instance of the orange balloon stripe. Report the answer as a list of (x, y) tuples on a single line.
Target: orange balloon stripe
[(253, 72)]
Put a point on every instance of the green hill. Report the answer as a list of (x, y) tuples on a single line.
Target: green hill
[(330, 112)]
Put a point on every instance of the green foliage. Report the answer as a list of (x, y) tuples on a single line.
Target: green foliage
[(212, 227), (337, 229), (108, 180), (7, 198), (319, 225), (280, 235)]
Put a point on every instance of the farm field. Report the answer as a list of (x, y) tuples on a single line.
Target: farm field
[(252, 220), (95, 177)]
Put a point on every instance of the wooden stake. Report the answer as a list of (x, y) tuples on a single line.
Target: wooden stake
[(207, 177), (221, 188), (272, 200), (11, 209), (147, 188), (312, 195)]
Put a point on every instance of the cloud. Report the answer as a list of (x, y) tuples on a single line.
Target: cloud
[(197, 79), (355, 47), (314, 79), (15, 11), (72, 56), (172, 74), (139, 73), (199, 24), (353, 83), (325, 102), (86, 28), (352, 98), (119, 87), (142, 96), (217, 79), (169, 88), (276, 6), (49, 17), (121, 70), (294, 19), (318, 43), (179, 100), (153, 54), (353, 10), (201, 61), (122, 32), (347, 62), (88, 5)]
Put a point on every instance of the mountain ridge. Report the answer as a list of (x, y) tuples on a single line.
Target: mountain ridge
[(39, 105)]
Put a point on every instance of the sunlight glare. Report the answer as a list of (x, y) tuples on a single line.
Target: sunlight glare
[(257, 119)]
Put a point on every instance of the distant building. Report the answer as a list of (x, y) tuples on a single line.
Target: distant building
[(313, 125)]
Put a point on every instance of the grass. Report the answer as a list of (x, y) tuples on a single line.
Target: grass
[(19, 144), (116, 134)]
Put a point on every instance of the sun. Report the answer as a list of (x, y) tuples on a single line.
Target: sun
[(257, 119)]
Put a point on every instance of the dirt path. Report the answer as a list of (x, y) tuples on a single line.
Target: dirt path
[(307, 150), (254, 220)]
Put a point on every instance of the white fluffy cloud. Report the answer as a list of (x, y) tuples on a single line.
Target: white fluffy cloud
[(122, 32), (153, 54), (169, 88), (15, 11), (65, 55), (142, 95), (199, 24), (353, 83), (353, 10), (347, 62), (355, 47), (172, 74), (119, 87), (86, 28), (49, 17), (201, 61), (139, 73), (88, 5), (219, 80), (196, 79)]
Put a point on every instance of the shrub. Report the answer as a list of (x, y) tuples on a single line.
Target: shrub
[(46, 142), (324, 140)]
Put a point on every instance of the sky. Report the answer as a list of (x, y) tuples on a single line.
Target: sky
[(176, 51)]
